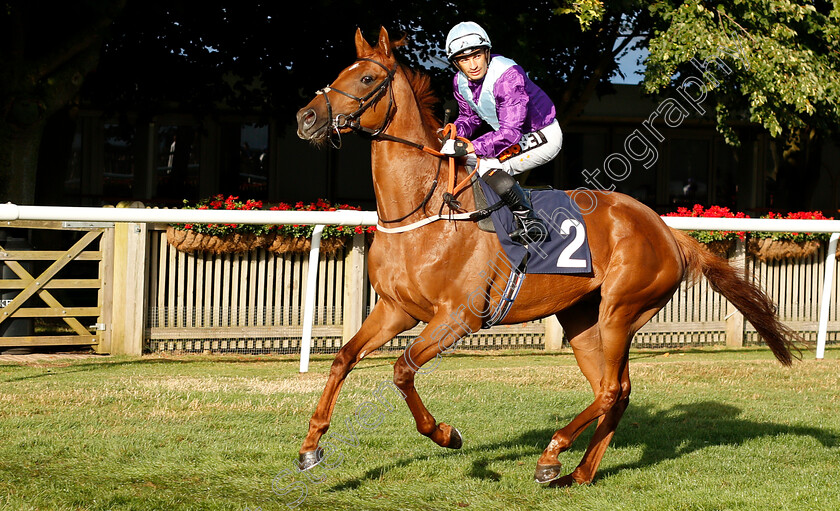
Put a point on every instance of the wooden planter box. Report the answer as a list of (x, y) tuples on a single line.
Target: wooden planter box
[(191, 242), (721, 248), (767, 249)]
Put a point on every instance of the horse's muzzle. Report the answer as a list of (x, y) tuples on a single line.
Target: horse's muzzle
[(308, 126)]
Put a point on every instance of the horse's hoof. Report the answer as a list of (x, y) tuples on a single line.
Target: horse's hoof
[(309, 459), (455, 439), (547, 473), (565, 482)]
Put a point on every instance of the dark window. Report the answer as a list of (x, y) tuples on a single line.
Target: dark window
[(252, 175), (688, 177), (177, 166), (118, 163)]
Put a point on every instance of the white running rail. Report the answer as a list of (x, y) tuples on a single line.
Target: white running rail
[(9, 212)]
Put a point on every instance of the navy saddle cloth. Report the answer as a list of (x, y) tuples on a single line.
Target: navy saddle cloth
[(566, 249)]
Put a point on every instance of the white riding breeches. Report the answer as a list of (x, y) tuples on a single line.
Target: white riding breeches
[(534, 149)]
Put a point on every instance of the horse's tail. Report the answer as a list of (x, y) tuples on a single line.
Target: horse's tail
[(748, 298)]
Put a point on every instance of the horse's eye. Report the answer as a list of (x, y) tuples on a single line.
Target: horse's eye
[(367, 79)]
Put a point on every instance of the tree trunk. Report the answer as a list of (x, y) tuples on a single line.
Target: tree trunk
[(28, 108), (42, 67), (54, 157), (19, 162)]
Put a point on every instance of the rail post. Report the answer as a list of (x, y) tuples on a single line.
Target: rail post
[(128, 288), (309, 298), (354, 281), (105, 297), (825, 304), (734, 317), (553, 334)]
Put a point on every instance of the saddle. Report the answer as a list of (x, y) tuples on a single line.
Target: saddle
[(566, 248), (483, 208)]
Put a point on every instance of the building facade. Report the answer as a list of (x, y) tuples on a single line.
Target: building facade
[(621, 142)]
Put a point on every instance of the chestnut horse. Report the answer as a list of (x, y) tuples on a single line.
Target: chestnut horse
[(427, 273)]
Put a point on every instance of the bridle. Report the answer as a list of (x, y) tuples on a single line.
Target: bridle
[(352, 122)]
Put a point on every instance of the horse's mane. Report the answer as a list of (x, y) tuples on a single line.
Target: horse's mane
[(421, 84)]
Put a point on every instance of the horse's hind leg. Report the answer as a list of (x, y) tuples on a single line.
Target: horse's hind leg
[(601, 356), (580, 324), (585, 471), (383, 324)]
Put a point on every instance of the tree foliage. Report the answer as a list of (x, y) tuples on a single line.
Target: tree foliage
[(768, 63), (271, 56), (267, 58), (786, 79), (46, 51), (788, 76), (784, 57)]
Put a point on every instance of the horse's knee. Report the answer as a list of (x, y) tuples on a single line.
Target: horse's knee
[(341, 365), (609, 396), (403, 374), (625, 390)]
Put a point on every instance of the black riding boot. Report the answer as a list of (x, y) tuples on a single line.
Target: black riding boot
[(531, 229)]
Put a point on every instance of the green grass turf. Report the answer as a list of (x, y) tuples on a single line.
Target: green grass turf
[(707, 429)]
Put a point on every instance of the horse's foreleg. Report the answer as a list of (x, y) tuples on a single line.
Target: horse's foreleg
[(438, 336), (384, 323)]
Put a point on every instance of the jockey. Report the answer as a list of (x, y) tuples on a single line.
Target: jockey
[(494, 90)]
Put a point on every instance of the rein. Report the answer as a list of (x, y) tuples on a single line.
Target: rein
[(452, 190), (352, 122)]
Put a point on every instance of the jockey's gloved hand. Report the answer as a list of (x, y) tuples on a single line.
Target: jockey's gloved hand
[(454, 147)]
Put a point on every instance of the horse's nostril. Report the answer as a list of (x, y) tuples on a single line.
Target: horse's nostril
[(309, 118)]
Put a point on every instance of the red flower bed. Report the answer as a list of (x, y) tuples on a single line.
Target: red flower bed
[(230, 238), (796, 236), (765, 246), (305, 231), (712, 212)]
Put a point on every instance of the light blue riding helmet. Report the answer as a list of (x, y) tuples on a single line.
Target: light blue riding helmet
[(464, 37)]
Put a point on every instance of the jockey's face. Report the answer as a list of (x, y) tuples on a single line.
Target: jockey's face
[(474, 64)]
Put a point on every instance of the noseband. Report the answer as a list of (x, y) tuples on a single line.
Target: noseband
[(351, 120)]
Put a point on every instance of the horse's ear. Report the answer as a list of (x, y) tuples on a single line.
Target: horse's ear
[(363, 49), (384, 42)]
